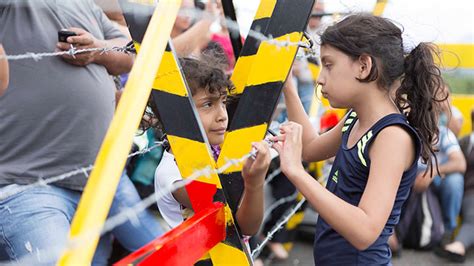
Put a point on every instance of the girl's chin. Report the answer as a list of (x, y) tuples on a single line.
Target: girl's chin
[(216, 142), (337, 105)]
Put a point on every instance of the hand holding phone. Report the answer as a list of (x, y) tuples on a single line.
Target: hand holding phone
[(64, 34), (80, 39)]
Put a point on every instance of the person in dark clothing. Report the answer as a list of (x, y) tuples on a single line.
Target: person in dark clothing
[(376, 145)]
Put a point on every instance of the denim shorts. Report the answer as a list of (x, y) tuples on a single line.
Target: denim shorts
[(35, 223)]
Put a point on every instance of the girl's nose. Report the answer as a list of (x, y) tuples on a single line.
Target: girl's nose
[(222, 113), (320, 80)]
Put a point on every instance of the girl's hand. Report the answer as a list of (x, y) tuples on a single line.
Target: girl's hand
[(254, 170), (289, 146)]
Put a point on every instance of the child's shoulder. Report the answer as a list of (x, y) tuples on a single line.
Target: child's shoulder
[(167, 171)]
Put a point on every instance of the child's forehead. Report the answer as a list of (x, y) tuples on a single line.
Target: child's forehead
[(204, 94)]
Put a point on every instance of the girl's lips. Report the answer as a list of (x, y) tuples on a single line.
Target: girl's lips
[(219, 131)]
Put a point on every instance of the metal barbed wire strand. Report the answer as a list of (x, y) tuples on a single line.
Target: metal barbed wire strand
[(73, 51), (131, 214), (233, 27), (278, 203), (272, 175), (119, 219), (193, 13), (84, 170), (276, 228)]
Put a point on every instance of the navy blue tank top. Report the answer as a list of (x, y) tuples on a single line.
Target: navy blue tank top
[(347, 180)]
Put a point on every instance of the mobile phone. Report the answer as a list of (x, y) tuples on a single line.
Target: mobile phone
[(64, 34)]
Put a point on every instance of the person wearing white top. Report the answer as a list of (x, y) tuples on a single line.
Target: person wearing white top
[(209, 87), (166, 174)]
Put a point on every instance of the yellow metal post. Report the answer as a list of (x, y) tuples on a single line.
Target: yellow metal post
[(99, 191), (457, 55), (379, 7)]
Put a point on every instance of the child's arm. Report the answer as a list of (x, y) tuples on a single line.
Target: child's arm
[(250, 212), (391, 154), (316, 147), (3, 72), (181, 195)]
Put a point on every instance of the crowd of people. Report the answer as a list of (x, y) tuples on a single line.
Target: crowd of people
[(396, 146)]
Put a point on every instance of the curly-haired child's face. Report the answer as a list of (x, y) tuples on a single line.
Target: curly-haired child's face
[(213, 113)]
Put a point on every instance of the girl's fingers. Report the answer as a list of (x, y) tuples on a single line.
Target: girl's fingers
[(263, 150), (278, 147), (288, 126), (247, 165), (278, 138), (292, 130)]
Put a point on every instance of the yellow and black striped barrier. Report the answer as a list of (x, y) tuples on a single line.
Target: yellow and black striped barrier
[(259, 77)]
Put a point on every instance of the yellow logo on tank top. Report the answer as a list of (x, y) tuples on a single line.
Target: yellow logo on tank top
[(334, 177), (361, 146)]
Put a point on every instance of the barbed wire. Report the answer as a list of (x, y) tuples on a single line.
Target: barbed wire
[(276, 228), (233, 27), (272, 175), (278, 203), (84, 170), (194, 13), (131, 214), (73, 51)]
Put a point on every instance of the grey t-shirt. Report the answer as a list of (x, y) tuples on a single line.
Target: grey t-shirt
[(54, 115)]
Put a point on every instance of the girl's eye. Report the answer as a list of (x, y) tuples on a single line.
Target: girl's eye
[(207, 104), (327, 66)]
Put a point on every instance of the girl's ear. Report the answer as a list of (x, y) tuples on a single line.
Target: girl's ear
[(365, 66)]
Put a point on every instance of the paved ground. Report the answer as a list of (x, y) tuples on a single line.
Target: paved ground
[(302, 254)]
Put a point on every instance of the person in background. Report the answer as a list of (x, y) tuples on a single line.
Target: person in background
[(314, 21), (67, 104), (451, 117), (449, 181), (456, 250)]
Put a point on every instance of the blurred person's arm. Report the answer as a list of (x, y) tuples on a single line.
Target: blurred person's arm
[(195, 37), (423, 180), (455, 163), (198, 35), (455, 121), (3, 72), (449, 145), (113, 11), (453, 115)]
